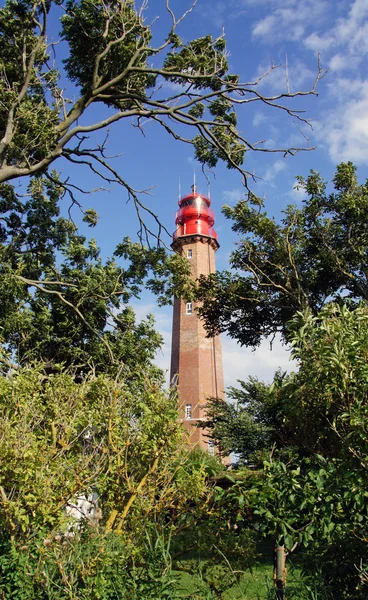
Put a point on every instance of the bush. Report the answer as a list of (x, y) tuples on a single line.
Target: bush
[(84, 566)]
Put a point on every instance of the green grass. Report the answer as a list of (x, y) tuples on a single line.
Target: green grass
[(255, 584)]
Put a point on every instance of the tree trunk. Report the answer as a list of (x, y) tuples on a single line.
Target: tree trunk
[(280, 572)]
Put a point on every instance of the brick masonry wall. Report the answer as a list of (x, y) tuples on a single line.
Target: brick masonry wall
[(195, 358)]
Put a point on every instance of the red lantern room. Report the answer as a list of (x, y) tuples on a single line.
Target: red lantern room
[(195, 216)]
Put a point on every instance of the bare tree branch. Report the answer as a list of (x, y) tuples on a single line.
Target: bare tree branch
[(149, 100)]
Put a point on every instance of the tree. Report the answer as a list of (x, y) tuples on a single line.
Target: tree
[(305, 434), (314, 495), (115, 442), (251, 423), (112, 63), (59, 303), (315, 253)]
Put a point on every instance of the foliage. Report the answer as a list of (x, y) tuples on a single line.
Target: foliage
[(209, 542), (83, 414), (255, 584), (60, 438), (330, 387), (86, 565), (214, 536), (215, 553), (251, 422), (317, 252), (59, 302), (115, 36), (81, 307), (113, 442), (318, 498), (112, 62)]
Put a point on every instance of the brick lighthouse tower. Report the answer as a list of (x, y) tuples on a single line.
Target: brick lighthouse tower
[(196, 360)]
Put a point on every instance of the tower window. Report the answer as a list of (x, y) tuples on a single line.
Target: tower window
[(189, 308), (190, 253), (211, 447), (188, 411)]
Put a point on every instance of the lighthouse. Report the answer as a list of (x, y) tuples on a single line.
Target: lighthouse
[(196, 360)]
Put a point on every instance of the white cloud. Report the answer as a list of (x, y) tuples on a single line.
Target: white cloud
[(277, 167), (289, 20), (264, 27), (175, 87), (233, 196), (240, 363), (348, 35), (353, 29), (317, 42), (161, 315), (339, 62), (318, 26), (343, 89), (258, 119), (297, 194), (267, 2), (344, 129), (299, 74)]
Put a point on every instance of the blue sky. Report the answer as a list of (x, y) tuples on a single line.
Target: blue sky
[(258, 33)]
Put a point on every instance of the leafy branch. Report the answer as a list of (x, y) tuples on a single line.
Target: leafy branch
[(117, 66)]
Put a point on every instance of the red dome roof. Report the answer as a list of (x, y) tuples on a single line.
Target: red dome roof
[(195, 216)]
